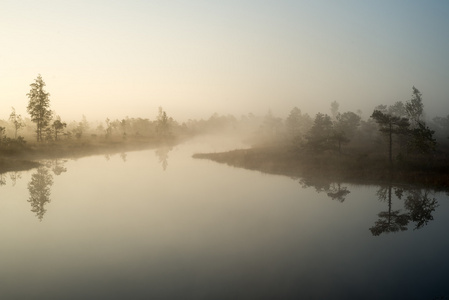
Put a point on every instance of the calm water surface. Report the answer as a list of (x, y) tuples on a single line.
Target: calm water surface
[(158, 224)]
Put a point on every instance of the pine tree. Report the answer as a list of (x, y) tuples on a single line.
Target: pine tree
[(39, 106)]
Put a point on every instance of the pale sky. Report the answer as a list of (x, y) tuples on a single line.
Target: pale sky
[(194, 58)]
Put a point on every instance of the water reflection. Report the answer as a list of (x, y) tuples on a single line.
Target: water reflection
[(123, 156), (40, 185), (162, 154), (58, 167), (267, 237), (418, 204), (40, 190), (334, 190), (390, 220), (338, 192), (14, 176)]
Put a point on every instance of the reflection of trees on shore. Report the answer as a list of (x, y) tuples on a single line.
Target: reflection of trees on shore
[(334, 190), (419, 204), (391, 220), (123, 156), (162, 154), (41, 183), (58, 167), (40, 190), (338, 192), (14, 176), (418, 208), (319, 184)]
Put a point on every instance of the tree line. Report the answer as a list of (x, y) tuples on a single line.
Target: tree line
[(44, 125), (47, 126), (400, 130)]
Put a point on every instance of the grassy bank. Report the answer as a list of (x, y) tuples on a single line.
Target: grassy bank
[(7, 165), (19, 157), (360, 169)]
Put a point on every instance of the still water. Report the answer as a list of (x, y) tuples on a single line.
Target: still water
[(158, 224)]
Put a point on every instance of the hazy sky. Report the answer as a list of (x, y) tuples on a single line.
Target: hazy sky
[(126, 58)]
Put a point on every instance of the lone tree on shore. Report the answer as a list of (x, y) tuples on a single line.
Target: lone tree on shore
[(17, 121), (415, 108), (345, 125), (321, 136), (58, 126), (163, 124), (422, 140), (390, 124), (39, 106)]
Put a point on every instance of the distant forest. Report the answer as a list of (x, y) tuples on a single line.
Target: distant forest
[(399, 132)]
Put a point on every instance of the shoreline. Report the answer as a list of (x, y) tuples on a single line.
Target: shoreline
[(28, 157), (361, 169)]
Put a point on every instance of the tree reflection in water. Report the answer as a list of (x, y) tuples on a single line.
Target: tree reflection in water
[(123, 156), (40, 190), (338, 192), (334, 190), (41, 183), (2, 179), (391, 220), (162, 154), (418, 208), (58, 167), (14, 176), (418, 204)]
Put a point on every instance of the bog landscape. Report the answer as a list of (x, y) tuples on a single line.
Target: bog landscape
[(394, 143), (392, 168), (190, 150)]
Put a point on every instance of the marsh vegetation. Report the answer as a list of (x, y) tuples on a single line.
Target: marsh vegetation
[(158, 224), (396, 142)]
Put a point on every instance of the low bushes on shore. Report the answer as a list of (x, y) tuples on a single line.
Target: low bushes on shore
[(361, 168)]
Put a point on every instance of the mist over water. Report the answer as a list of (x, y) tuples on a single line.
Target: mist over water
[(224, 150), (158, 224)]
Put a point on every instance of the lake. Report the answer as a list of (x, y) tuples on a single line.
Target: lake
[(158, 224)]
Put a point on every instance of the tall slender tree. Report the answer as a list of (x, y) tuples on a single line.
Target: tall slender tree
[(58, 126), (415, 108), (17, 121), (345, 126), (293, 122), (334, 109), (390, 125), (39, 106), (163, 124), (321, 136)]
